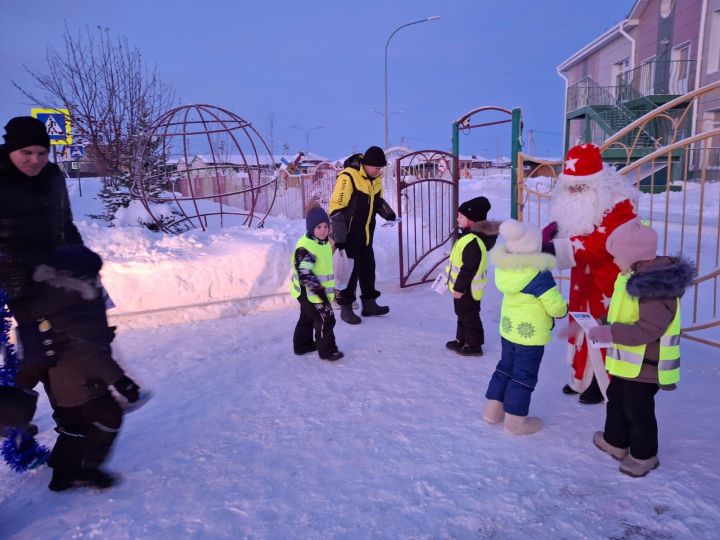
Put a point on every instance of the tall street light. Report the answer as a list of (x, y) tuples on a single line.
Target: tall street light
[(433, 18), (307, 135)]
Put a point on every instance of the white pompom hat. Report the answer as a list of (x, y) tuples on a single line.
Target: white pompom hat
[(521, 237)]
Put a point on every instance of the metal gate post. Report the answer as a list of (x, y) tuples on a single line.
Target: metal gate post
[(516, 147), (456, 173)]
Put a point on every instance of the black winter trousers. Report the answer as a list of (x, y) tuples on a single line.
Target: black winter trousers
[(87, 433), (319, 323), (469, 326), (630, 420), (363, 272)]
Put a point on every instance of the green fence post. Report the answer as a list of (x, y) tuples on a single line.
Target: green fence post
[(515, 148)]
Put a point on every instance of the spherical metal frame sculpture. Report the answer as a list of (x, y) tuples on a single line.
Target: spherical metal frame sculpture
[(231, 144)]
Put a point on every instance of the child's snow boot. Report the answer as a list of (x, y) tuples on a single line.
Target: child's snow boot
[(97, 478), (306, 349), (494, 412), (454, 345), (370, 308), (614, 451), (522, 425), (332, 357), (467, 350), (592, 394), (348, 315), (638, 467)]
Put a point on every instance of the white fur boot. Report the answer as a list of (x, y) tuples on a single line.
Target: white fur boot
[(522, 425), (494, 412)]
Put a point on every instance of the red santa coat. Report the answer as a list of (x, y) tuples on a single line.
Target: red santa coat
[(592, 279)]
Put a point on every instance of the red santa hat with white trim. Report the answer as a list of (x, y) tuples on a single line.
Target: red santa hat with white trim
[(583, 164)]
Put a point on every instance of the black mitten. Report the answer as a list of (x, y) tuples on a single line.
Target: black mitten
[(127, 388)]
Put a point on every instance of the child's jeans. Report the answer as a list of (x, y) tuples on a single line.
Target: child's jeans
[(515, 376), (630, 421)]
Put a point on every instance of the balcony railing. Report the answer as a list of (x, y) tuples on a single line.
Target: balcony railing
[(658, 78)]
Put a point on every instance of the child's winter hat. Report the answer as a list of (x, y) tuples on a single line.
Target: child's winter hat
[(475, 209), (374, 157), (521, 237), (23, 131), (632, 242), (314, 217)]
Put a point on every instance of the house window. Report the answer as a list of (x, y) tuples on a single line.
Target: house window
[(713, 59), (681, 56), (665, 8), (647, 76), (619, 76)]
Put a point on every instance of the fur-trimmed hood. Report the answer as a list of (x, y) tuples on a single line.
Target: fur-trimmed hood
[(663, 277), (486, 227), (487, 230), (502, 258)]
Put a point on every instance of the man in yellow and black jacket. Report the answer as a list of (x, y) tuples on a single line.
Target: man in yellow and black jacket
[(355, 201)]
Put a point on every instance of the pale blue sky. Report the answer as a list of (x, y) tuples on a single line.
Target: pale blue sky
[(321, 63)]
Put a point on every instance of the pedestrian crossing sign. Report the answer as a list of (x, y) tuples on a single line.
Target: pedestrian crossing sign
[(57, 124)]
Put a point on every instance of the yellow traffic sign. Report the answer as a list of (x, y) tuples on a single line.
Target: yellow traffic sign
[(57, 124)]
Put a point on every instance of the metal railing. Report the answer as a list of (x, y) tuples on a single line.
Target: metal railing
[(660, 78)]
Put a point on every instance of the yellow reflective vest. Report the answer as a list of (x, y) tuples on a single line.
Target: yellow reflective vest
[(624, 360), (323, 269), (353, 184), (479, 280)]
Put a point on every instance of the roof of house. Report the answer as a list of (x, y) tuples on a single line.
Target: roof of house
[(599, 42)]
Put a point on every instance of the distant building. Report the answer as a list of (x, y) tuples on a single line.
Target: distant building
[(661, 50)]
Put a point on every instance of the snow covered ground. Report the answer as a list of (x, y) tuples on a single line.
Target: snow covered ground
[(246, 440)]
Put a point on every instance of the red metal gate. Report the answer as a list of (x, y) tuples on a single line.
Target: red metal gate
[(427, 194)]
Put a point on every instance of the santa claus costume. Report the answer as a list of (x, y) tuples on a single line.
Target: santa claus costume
[(589, 201)]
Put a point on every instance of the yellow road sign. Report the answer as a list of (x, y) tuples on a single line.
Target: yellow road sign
[(57, 124)]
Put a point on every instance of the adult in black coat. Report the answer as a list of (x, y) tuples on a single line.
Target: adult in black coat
[(52, 285)]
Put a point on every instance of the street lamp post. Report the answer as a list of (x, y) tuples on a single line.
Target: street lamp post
[(307, 135), (433, 18)]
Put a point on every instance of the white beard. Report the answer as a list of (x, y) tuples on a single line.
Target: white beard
[(580, 212), (576, 213)]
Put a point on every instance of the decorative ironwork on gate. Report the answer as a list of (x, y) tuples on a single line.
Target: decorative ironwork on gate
[(427, 194)]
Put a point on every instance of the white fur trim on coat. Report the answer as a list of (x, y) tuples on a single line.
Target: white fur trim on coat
[(564, 253), (502, 258)]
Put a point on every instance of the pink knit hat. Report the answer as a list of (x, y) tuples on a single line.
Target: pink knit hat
[(632, 242)]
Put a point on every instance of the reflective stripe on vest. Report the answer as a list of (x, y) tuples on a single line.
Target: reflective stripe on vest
[(322, 269), (626, 361), (479, 280)]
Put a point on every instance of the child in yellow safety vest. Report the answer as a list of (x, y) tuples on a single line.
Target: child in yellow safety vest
[(466, 274), (313, 285), (644, 328)]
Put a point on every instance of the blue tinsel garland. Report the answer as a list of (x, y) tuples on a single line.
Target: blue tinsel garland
[(19, 449)]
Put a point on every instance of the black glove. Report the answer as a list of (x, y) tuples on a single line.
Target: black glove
[(127, 388), (385, 211), (340, 245), (548, 247)]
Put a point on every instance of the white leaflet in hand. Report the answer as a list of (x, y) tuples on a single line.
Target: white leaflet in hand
[(392, 223), (586, 322), (440, 285)]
